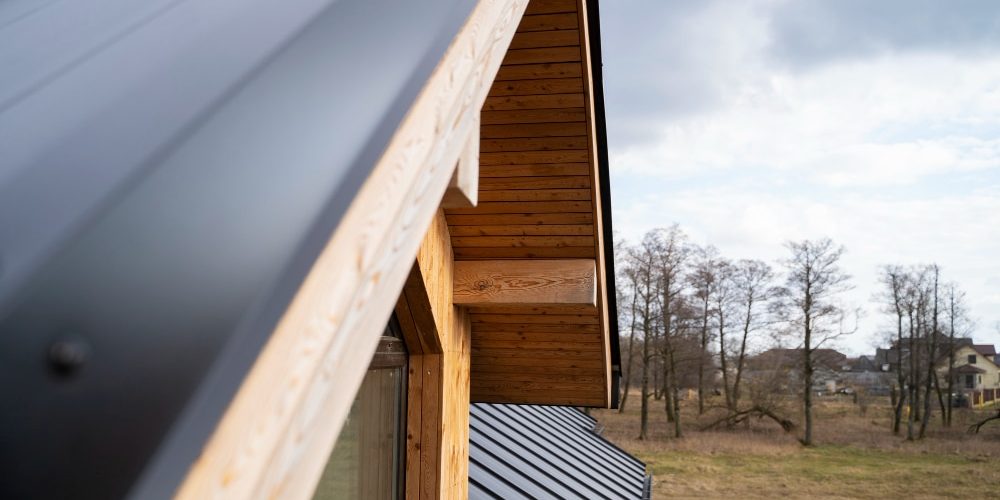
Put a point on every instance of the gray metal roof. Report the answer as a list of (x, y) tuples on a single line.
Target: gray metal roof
[(169, 171), (533, 451)]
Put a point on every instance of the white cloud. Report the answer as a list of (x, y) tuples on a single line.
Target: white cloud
[(880, 122), (890, 146)]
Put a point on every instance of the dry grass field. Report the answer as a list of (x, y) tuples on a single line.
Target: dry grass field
[(855, 456)]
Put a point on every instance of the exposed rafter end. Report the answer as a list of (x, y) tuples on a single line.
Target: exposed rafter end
[(569, 282), (463, 190)]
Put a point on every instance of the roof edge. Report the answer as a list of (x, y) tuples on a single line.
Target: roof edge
[(601, 131)]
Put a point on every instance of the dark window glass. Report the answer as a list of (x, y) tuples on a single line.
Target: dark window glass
[(972, 359), (369, 458), (970, 382)]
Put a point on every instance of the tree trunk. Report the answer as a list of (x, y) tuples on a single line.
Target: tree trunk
[(723, 364), (913, 383), (631, 345), (675, 392), (644, 392), (951, 354), (701, 357), (898, 413), (742, 356), (668, 401), (807, 371), (931, 355), (657, 383), (940, 397)]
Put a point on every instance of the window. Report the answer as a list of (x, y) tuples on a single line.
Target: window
[(369, 458), (972, 359), (970, 382)]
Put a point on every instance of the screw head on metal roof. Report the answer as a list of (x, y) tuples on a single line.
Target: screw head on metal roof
[(67, 356)]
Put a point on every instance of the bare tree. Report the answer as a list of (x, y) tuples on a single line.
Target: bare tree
[(723, 302), (894, 279), (956, 315), (808, 303), (670, 257), (632, 278), (643, 265), (752, 281), (703, 277), (934, 273)]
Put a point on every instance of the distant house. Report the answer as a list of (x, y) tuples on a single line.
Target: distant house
[(975, 368), (988, 350), (784, 367), (867, 374)]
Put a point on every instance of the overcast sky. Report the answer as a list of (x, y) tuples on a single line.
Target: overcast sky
[(875, 123)]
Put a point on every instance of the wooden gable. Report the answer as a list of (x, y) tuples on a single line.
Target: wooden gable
[(539, 201)]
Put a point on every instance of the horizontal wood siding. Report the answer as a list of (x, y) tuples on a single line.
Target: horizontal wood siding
[(536, 201)]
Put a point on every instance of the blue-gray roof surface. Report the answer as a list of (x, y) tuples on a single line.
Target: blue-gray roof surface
[(534, 451), (169, 171)]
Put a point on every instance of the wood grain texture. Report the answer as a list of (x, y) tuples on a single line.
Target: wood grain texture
[(542, 170), (541, 101), (541, 207), (276, 434), (523, 230), (550, 6), (535, 39), (533, 157), (523, 241), (519, 310), (463, 189), (506, 117), (438, 464), (482, 328), (481, 345), (602, 295), (533, 144), (544, 22), (535, 87), (491, 253), (535, 183), (538, 202), (527, 319), (536, 195), (538, 218), (525, 282), (536, 71), (552, 399), (542, 55), (533, 130)]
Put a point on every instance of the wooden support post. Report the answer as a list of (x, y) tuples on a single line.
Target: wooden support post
[(440, 361), (570, 282)]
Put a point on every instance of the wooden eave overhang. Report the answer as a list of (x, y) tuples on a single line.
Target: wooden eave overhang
[(543, 197)]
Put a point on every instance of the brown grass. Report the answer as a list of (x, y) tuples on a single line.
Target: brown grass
[(855, 457)]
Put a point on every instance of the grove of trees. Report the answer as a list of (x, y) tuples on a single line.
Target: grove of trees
[(691, 318)]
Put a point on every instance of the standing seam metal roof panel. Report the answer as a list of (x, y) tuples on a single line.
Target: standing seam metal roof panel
[(169, 171), (533, 451)]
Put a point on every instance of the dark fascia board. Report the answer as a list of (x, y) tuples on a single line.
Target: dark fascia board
[(168, 175), (604, 166)]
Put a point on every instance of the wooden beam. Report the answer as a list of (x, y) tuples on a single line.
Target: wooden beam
[(277, 432), (438, 402), (570, 282), (595, 186), (463, 190)]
